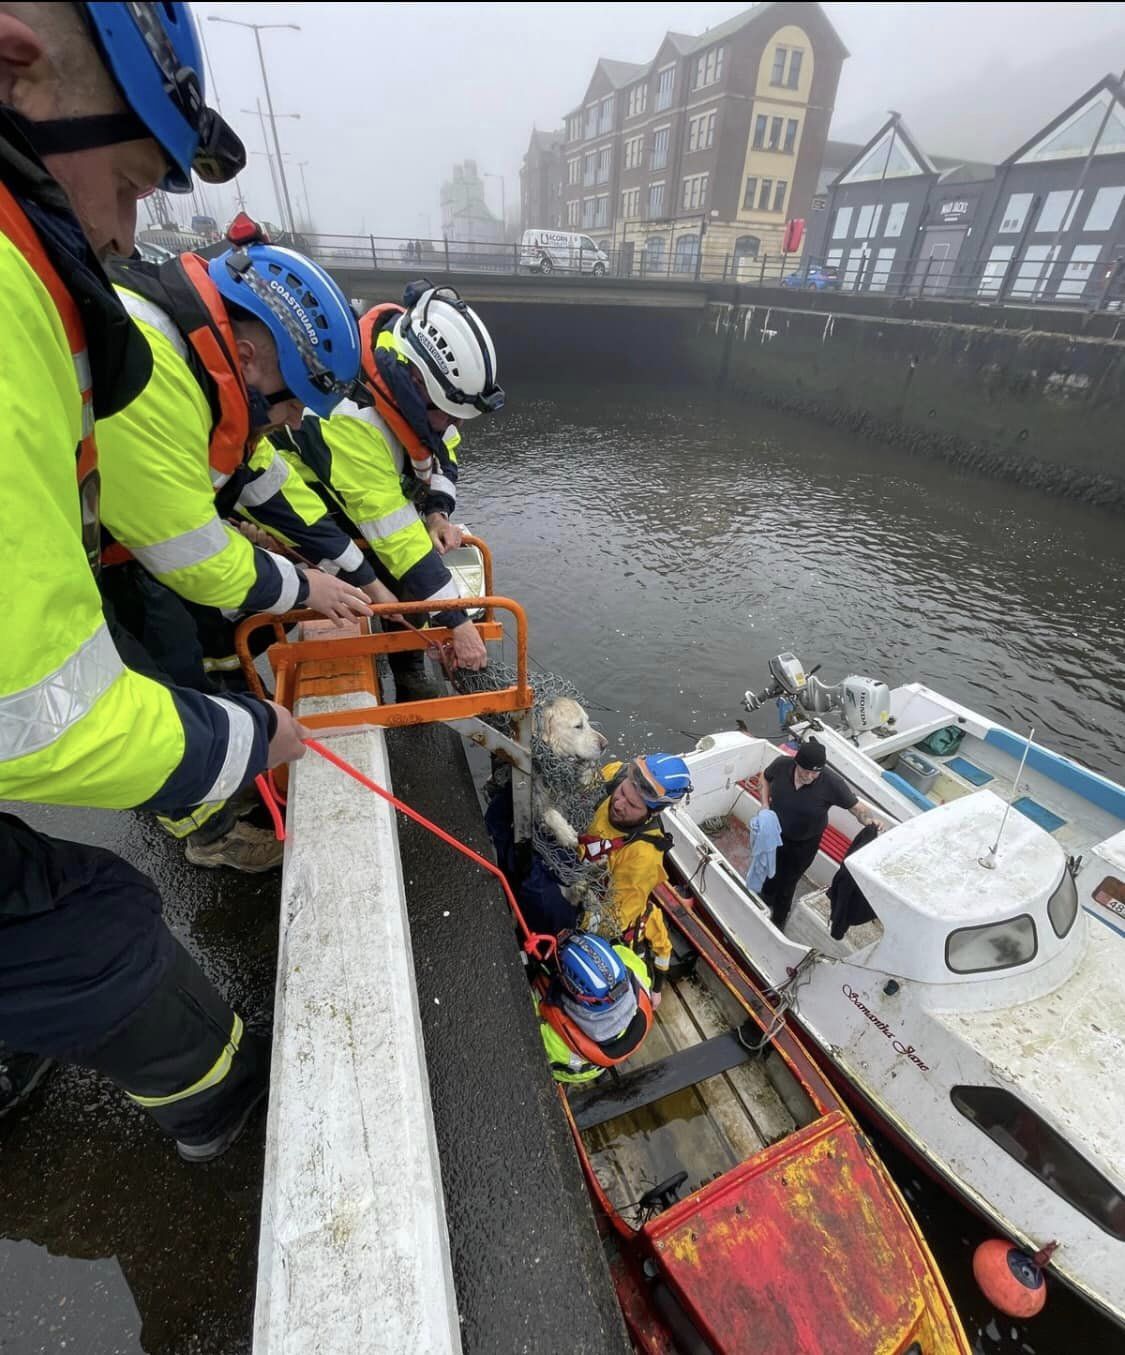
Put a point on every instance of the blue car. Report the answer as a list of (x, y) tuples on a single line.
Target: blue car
[(822, 278)]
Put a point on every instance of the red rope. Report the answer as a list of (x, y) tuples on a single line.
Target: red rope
[(538, 944)]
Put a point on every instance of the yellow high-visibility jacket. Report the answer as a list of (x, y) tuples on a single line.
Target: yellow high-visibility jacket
[(76, 726)]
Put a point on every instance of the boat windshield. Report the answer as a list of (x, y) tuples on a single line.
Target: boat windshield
[(996, 945)]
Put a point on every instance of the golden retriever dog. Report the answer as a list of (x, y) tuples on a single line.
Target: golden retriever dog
[(564, 727)]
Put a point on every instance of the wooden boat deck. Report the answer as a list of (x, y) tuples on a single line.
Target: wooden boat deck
[(705, 1129)]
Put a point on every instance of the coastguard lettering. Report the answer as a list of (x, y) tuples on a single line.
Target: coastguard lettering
[(297, 309)]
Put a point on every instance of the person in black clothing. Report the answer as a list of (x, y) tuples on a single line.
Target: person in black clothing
[(801, 790)]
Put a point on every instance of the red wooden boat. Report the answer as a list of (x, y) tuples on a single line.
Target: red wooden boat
[(741, 1206)]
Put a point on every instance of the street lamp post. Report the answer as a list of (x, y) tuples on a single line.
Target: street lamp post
[(302, 165), (257, 112), (257, 30)]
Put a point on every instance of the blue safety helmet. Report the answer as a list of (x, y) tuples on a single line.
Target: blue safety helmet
[(591, 971), (153, 53), (309, 317), (661, 779)]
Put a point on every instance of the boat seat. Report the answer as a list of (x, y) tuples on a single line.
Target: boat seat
[(610, 1097)]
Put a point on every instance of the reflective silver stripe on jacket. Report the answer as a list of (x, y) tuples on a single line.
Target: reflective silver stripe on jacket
[(180, 552), (447, 590), (35, 717), (439, 484), (240, 744), (219, 478), (375, 529), (141, 308), (368, 415), (265, 485), (349, 560), (290, 583), (82, 370)]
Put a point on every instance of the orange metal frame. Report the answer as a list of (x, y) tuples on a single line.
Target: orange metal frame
[(310, 667)]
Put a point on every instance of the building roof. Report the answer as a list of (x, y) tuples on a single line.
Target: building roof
[(1108, 83), (546, 141), (622, 73)]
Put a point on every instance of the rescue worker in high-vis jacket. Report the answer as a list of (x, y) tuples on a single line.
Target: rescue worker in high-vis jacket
[(99, 104), (625, 833), (240, 344), (390, 463), (594, 1010)]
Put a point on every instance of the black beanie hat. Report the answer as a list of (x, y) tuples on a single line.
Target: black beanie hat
[(811, 756)]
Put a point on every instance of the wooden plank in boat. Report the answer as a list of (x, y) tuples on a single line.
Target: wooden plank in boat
[(606, 1100)]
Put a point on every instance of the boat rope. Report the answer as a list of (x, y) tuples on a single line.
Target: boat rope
[(538, 945), (787, 993)]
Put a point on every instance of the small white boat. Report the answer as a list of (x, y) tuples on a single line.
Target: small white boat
[(979, 1019), (879, 740)]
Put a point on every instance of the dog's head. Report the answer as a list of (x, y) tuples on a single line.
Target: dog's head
[(565, 728)]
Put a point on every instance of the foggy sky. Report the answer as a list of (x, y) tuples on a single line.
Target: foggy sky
[(390, 95)]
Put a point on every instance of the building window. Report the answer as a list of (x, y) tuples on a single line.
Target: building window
[(779, 189), (709, 68), (655, 201), (1045, 1153), (634, 152), (881, 270), (665, 83), (866, 224), (591, 121), (775, 133), (1015, 214), (587, 212), (1057, 211), (995, 269), (687, 251), (574, 170), (695, 191), (603, 163), (780, 56), (701, 132), (605, 115), (896, 218), (1103, 212), (1031, 276), (761, 124), (638, 100), (631, 203), (746, 247), (660, 140), (764, 195), (796, 58), (589, 167), (573, 208), (842, 224), (790, 136), (574, 127), (1077, 274), (601, 210), (750, 194), (654, 254)]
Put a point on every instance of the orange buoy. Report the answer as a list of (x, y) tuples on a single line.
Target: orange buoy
[(1009, 1278)]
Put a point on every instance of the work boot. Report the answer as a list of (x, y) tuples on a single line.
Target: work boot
[(20, 1074), (244, 847), (412, 682), (216, 1147)]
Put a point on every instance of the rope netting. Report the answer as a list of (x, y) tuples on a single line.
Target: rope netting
[(572, 787)]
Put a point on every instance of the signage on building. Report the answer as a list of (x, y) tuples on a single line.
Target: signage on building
[(955, 210)]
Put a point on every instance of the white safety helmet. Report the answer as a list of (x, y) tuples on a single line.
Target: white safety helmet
[(448, 343)]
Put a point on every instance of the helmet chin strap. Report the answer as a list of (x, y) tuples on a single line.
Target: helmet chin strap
[(62, 136)]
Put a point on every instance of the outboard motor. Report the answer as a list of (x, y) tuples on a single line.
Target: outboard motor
[(863, 703)]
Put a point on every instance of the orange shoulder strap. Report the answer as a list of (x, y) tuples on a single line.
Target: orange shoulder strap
[(214, 343), (369, 328)]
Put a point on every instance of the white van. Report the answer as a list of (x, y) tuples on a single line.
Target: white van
[(559, 251)]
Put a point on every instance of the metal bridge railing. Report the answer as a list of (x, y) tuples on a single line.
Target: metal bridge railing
[(677, 258)]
